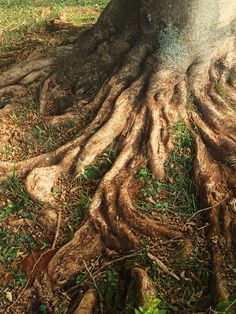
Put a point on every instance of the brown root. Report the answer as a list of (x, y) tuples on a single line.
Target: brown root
[(139, 118)]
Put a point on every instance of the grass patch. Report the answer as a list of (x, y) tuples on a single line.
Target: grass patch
[(47, 138), (188, 295), (177, 194), (15, 241), (220, 89), (24, 19), (233, 106), (15, 190)]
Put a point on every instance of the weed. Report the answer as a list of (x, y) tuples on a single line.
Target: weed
[(190, 102), (6, 211), (43, 309), (226, 307), (112, 289), (16, 279), (20, 112), (56, 192), (109, 155), (45, 245), (91, 172), (144, 174), (220, 89), (152, 307), (77, 279)]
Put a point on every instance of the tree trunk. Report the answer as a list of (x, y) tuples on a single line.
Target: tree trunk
[(135, 70)]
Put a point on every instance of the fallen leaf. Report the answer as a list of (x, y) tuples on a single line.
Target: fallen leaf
[(9, 296)]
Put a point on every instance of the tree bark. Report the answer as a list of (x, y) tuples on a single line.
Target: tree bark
[(135, 70)]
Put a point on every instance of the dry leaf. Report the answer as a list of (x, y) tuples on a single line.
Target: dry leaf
[(9, 296)]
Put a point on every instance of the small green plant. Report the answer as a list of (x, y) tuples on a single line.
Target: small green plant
[(43, 309), (233, 106), (6, 211), (109, 155), (226, 307), (220, 89), (144, 174), (91, 172), (112, 289), (6, 151), (45, 245), (16, 279), (151, 307)]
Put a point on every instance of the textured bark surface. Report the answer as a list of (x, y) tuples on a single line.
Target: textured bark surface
[(135, 70)]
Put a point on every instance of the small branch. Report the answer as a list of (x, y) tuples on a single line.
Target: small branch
[(205, 209), (95, 285), (19, 296), (162, 266), (57, 229)]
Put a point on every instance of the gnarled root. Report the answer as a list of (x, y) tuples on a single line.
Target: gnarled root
[(139, 117)]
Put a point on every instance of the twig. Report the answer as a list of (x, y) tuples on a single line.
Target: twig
[(57, 229), (19, 296), (231, 304), (205, 209), (118, 260), (162, 266), (95, 285)]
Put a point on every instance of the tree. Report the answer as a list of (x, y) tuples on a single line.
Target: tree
[(136, 68)]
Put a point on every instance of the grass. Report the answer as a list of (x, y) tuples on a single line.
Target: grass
[(187, 294), (220, 89), (15, 242), (24, 19), (15, 190), (177, 194), (47, 138), (233, 106)]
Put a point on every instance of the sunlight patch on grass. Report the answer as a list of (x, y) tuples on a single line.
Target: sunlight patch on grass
[(20, 18)]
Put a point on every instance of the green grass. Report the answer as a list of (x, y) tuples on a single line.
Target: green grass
[(112, 289), (47, 138), (233, 106), (19, 206), (177, 194), (15, 190), (220, 89), (20, 18)]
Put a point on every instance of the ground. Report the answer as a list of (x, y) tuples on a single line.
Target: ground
[(31, 233)]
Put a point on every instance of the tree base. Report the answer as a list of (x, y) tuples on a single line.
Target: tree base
[(134, 105)]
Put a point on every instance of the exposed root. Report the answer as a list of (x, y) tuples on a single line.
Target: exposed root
[(15, 74), (139, 117), (213, 183), (88, 303), (141, 287)]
